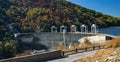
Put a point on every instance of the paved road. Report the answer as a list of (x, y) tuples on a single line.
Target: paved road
[(74, 57)]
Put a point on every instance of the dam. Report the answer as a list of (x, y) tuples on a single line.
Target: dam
[(50, 40)]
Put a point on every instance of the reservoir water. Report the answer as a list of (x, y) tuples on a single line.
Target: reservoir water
[(112, 31)]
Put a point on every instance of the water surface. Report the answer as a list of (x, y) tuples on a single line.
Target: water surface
[(112, 31)]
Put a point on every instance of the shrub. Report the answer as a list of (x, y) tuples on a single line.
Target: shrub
[(1, 50), (86, 41), (60, 47), (9, 49)]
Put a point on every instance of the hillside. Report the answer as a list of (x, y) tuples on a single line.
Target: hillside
[(110, 53), (27, 15), (4, 34)]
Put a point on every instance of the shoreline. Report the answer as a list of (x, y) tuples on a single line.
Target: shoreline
[(114, 27)]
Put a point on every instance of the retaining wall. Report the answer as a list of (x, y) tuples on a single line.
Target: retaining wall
[(35, 58)]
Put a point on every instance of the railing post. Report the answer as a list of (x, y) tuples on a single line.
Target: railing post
[(86, 49), (76, 50), (93, 47), (99, 47), (63, 53)]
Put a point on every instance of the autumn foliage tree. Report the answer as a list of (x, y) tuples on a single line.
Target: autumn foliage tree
[(32, 15)]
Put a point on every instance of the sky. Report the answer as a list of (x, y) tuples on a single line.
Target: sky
[(109, 7)]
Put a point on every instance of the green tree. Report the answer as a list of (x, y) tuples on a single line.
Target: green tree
[(9, 49), (1, 50)]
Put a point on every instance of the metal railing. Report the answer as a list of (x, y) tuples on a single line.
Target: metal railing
[(81, 50)]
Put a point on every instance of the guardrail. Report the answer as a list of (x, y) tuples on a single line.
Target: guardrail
[(81, 50)]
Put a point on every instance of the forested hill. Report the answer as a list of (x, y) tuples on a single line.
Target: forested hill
[(27, 15)]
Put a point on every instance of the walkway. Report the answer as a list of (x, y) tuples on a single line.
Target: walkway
[(74, 57)]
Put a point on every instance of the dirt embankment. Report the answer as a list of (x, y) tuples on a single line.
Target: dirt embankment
[(110, 53)]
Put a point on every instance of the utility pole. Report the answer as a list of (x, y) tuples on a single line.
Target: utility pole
[(64, 31)]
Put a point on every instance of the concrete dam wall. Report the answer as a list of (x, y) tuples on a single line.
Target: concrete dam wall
[(59, 36), (50, 39)]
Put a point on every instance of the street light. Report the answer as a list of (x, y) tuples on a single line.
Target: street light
[(16, 36)]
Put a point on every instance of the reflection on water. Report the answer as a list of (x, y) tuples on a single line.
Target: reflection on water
[(112, 31)]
